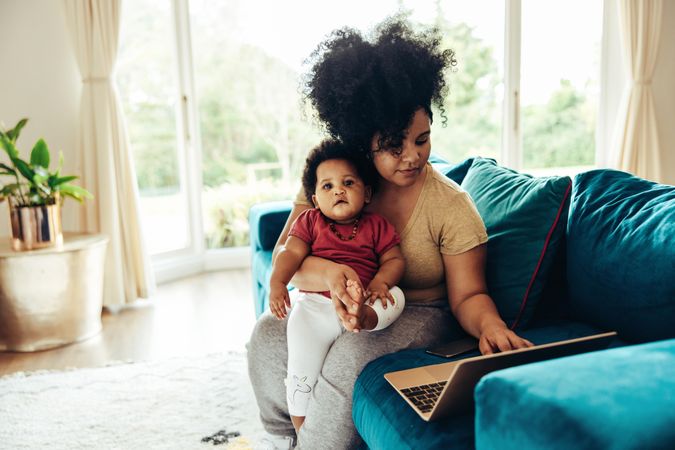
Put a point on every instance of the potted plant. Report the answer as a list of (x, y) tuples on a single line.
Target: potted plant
[(35, 193)]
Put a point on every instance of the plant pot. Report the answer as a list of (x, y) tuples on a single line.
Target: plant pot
[(35, 227)]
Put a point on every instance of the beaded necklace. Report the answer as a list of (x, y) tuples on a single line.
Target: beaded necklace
[(331, 225)]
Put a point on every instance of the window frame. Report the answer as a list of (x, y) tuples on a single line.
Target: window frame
[(511, 151)]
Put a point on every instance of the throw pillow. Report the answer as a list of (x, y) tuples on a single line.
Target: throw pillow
[(525, 218), (621, 254), (456, 172)]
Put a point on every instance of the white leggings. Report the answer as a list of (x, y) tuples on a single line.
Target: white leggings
[(313, 326)]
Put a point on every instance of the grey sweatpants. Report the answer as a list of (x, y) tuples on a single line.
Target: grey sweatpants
[(328, 424)]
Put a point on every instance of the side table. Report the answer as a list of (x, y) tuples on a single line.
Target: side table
[(53, 296)]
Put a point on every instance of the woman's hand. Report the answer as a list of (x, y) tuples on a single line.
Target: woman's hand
[(347, 295), (497, 337), (473, 307)]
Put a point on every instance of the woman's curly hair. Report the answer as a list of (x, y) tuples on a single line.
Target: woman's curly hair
[(334, 149), (360, 87)]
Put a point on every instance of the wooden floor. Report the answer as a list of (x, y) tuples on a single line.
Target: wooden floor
[(208, 313)]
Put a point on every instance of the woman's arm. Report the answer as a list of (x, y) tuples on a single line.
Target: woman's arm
[(471, 304)]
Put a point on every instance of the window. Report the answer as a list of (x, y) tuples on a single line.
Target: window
[(560, 69), (254, 135), (210, 90), (475, 31), (147, 78)]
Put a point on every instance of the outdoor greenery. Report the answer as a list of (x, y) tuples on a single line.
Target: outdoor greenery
[(561, 132), (473, 110), (148, 84), (226, 210), (254, 133)]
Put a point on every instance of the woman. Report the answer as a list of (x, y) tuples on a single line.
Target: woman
[(376, 95)]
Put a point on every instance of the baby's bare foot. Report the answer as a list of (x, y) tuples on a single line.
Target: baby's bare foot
[(355, 292)]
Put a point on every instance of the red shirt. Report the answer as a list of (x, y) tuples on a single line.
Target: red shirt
[(374, 236)]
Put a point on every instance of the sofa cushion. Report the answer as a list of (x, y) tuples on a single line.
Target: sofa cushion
[(621, 398), (621, 254), (525, 218), (266, 220), (456, 172), (384, 420)]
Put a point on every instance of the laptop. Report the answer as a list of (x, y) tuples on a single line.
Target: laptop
[(438, 390)]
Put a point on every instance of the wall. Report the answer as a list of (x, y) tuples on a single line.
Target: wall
[(40, 80), (664, 91)]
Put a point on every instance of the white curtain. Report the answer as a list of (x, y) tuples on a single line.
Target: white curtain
[(636, 139), (105, 154)]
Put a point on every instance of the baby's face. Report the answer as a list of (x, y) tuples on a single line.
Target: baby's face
[(340, 193)]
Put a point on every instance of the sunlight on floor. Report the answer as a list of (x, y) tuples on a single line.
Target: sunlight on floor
[(208, 312)]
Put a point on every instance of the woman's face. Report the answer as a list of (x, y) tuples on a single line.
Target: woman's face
[(403, 166)]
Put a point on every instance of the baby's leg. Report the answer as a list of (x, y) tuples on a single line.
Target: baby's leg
[(379, 318), (312, 329)]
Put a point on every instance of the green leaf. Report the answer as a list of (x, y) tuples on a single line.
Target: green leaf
[(37, 199), (76, 192), (55, 181), (8, 169), (24, 169), (41, 171), (39, 182), (13, 134), (7, 144), (9, 189), (40, 154)]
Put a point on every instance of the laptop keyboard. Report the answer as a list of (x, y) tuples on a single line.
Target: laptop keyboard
[(424, 397)]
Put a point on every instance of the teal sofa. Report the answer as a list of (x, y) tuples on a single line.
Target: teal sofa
[(566, 258)]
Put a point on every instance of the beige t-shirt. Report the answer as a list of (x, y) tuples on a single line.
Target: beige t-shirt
[(444, 221)]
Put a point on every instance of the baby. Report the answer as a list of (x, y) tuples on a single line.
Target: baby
[(339, 183)]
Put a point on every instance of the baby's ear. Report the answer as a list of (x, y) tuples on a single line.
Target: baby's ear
[(316, 203), (368, 194)]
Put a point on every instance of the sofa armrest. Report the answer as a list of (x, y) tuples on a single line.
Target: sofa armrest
[(266, 221), (617, 398)]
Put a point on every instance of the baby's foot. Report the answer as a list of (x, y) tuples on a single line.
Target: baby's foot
[(355, 292)]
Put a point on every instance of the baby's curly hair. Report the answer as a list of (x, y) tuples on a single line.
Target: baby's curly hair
[(359, 87), (334, 149)]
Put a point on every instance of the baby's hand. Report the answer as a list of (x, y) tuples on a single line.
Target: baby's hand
[(379, 290), (279, 300)]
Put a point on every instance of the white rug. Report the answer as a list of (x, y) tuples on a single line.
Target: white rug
[(171, 404)]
